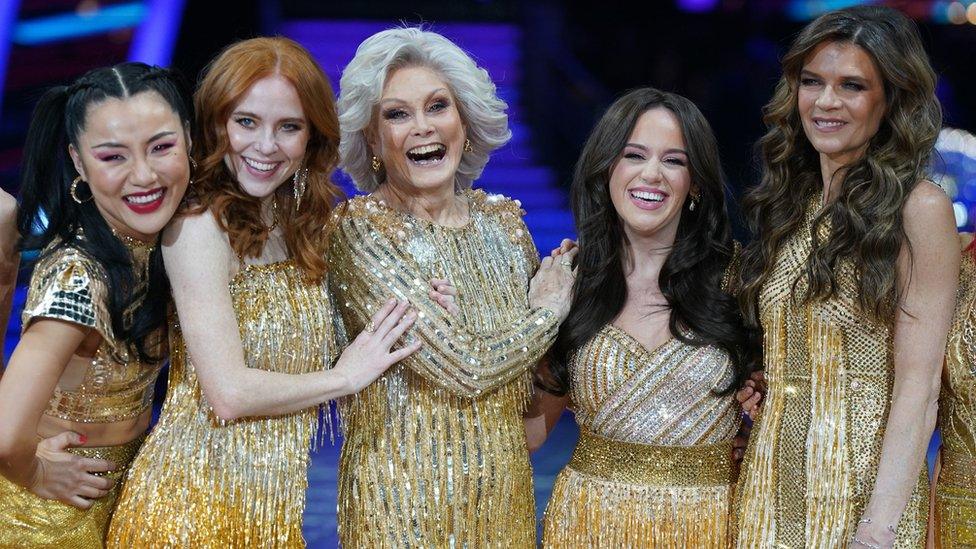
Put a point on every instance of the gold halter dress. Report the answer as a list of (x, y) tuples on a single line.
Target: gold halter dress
[(956, 490), (204, 483), (68, 285), (435, 452), (813, 454), (653, 465)]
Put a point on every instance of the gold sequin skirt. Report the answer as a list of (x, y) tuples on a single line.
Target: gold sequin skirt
[(955, 501), (619, 494), (29, 521)]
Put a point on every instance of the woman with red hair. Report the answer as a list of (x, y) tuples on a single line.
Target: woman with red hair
[(254, 336)]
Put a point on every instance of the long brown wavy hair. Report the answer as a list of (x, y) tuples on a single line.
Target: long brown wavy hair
[(225, 82), (865, 220)]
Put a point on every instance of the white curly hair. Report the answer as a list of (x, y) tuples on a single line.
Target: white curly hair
[(361, 88)]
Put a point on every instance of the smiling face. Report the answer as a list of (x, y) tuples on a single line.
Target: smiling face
[(133, 154), (268, 133), (841, 100), (418, 135), (650, 180)]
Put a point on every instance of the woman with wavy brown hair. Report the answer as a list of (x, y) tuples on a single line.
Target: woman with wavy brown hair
[(255, 334), (852, 280)]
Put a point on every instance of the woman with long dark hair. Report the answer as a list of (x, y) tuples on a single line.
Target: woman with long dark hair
[(653, 345), (106, 164), (852, 279)]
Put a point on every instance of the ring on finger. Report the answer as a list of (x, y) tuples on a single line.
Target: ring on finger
[(565, 263), (370, 327)]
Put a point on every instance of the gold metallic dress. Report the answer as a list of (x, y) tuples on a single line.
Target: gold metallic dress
[(203, 483), (814, 451), (653, 466), (956, 490), (435, 452), (68, 285)]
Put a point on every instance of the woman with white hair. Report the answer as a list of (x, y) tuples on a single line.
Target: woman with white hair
[(435, 452)]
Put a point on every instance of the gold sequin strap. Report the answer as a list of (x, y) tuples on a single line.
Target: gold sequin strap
[(618, 461), (66, 286)]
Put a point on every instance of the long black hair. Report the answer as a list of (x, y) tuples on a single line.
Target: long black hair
[(691, 279), (48, 212)]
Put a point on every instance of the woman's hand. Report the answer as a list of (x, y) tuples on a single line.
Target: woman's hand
[(445, 294), (66, 477), (751, 394), (552, 285), (370, 354), (564, 246)]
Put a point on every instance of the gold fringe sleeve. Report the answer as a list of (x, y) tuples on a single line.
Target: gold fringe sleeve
[(368, 268)]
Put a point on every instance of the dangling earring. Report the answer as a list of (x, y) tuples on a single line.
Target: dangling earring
[(299, 182), (375, 163), (467, 146), (193, 169), (74, 190), (693, 202)]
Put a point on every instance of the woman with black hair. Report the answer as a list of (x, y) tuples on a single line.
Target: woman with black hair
[(653, 346), (105, 166)]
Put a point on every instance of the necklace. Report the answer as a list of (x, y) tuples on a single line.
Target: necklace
[(274, 215), (140, 253)]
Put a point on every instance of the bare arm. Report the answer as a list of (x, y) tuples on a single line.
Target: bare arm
[(46, 469), (543, 412), (9, 258), (197, 256), (927, 285)]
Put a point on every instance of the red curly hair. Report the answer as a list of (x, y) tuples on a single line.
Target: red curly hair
[(225, 82)]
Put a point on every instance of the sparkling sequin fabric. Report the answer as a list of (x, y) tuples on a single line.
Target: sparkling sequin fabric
[(956, 491), (653, 465), (435, 452), (203, 483), (68, 285), (29, 521), (813, 454)]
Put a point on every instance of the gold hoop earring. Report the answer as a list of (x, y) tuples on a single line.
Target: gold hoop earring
[(74, 190), (376, 164), (467, 146), (299, 182)]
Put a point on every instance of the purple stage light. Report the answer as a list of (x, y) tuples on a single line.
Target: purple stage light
[(155, 37), (697, 6)]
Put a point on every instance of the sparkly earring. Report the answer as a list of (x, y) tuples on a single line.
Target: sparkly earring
[(467, 146), (693, 202), (376, 164), (74, 190), (299, 182), (193, 169)]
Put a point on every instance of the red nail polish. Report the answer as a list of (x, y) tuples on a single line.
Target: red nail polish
[(84, 439)]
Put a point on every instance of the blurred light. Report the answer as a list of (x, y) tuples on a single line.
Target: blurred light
[(956, 13), (73, 25), (154, 40), (971, 13), (962, 216), (697, 5), (8, 18), (804, 10), (939, 11)]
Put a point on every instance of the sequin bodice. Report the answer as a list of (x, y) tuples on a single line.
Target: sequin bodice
[(664, 397), (68, 285), (435, 450), (813, 454), (957, 405)]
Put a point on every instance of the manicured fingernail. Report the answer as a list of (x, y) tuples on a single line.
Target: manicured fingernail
[(83, 439)]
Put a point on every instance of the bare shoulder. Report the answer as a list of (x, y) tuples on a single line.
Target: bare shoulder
[(8, 207), (927, 201), (199, 229), (196, 243)]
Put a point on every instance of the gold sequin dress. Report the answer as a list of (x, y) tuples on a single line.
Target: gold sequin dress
[(813, 454), (203, 483), (956, 490), (68, 285), (653, 466), (435, 452)]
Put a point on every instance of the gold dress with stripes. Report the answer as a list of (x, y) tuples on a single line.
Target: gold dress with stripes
[(68, 285), (653, 465), (202, 482), (814, 451), (956, 489), (435, 452)]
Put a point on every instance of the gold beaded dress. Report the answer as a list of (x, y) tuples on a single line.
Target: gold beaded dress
[(435, 452), (69, 285), (653, 465), (202, 482), (956, 490), (814, 451)]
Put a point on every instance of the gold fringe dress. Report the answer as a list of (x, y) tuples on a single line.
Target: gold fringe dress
[(435, 452), (956, 489), (204, 483), (653, 465), (68, 285), (813, 453)]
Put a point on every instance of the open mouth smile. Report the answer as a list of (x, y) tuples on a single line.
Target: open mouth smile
[(427, 155), (145, 202)]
